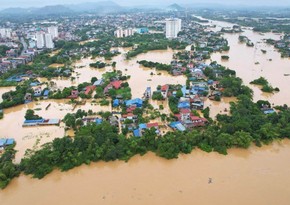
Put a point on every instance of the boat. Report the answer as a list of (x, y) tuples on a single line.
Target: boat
[(286, 74)]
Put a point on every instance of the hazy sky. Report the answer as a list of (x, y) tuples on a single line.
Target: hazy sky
[(38, 3)]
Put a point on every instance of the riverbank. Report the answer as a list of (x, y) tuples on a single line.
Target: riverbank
[(254, 176)]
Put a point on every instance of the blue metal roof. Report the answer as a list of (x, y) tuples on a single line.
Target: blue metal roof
[(99, 121), (116, 103), (46, 92), (180, 127), (2, 142), (10, 141), (143, 126), (177, 125), (33, 121), (137, 133), (183, 105), (138, 102)]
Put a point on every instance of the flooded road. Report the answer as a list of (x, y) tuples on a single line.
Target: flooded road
[(257, 176)]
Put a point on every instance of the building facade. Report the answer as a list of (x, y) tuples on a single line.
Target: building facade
[(53, 30), (120, 33), (173, 27)]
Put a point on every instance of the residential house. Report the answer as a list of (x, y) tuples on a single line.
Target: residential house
[(135, 102), (99, 82), (37, 92), (45, 94), (177, 126), (164, 90), (90, 89), (28, 98), (74, 94)]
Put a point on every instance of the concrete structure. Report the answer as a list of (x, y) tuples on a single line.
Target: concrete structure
[(40, 42), (120, 33), (53, 30), (48, 41), (5, 32), (173, 27)]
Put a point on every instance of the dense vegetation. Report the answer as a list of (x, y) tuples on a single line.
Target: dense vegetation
[(8, 170), (98, 64), (158, 66), (93, 143), (30, 115), (149, 42), (13, 98), (266, 87), (3, 50)]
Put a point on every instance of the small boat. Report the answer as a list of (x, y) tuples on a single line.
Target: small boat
[(286, 74)]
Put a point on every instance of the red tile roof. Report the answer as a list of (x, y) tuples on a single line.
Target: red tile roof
[(184, 111), (164, 88), (89, 89), (149, 125), (116, 84)]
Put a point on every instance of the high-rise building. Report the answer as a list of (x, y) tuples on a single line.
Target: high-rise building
[(120, 33), (40, 42), (5, 32), (48, 40), (44, 40), (173, 27), (53, 30)]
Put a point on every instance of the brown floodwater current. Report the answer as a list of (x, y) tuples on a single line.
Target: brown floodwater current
[(257, 176)]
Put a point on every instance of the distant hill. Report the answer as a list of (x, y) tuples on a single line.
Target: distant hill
[(16, 11), (102, 6), (47, 10), (57, 9), (175, 7)]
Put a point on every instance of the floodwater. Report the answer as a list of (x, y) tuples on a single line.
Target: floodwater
[(142, 77), (5, 90), (257, 176), (34, 137), (222, 107), (250, 63)]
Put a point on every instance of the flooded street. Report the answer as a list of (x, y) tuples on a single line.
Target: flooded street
[(141, 77), (257, 176)]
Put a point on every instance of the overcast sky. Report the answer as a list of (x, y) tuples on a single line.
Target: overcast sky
[(39, 3)]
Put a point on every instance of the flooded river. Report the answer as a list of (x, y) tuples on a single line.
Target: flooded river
[(250, 63), (257, 176)]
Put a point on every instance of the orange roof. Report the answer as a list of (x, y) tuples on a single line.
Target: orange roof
[(164, 87), (116, 84), (155, 124), (89, 89)]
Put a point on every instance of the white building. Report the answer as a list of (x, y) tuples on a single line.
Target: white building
[(48, 41), (120, 33), (40, 42), (44, 40), (53, 30), (173, 27), (6, 32)]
